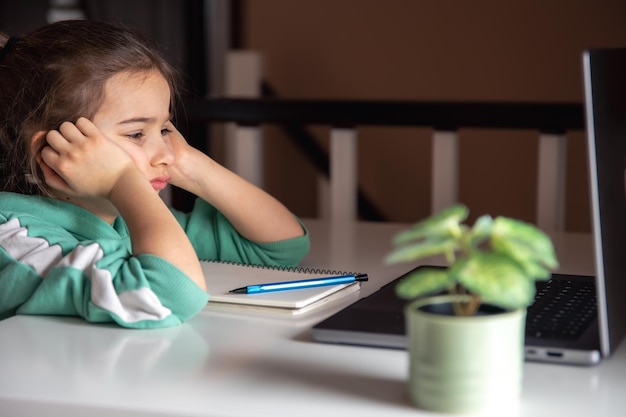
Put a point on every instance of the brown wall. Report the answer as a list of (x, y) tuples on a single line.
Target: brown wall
[(432, 50)]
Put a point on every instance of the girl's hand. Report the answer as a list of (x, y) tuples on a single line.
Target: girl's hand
[(184, 172), (79, 160)]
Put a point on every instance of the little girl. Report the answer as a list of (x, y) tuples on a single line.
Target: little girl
[(86, 144)]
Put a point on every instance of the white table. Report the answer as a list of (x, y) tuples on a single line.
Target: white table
[(220, 364)]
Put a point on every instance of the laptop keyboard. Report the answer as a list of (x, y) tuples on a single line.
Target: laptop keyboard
[(562, 309)]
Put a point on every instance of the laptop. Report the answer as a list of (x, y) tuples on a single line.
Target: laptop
[(591, 326)]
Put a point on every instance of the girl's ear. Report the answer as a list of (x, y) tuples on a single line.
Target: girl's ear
[(36, 138)]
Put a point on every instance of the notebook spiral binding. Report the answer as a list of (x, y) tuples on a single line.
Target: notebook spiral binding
[(300, 269)]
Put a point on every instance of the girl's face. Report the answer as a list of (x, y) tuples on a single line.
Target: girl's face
[(135, 115)]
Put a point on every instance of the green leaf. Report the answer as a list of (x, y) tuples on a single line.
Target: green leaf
[(481, 230), (443, 223), (526, 243), (498, 280), (422, 249), (423, 281)]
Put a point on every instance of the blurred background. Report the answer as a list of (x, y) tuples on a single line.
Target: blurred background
[(449, 50)]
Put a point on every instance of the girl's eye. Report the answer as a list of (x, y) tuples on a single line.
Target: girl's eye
[(165, 131), (135, 136)]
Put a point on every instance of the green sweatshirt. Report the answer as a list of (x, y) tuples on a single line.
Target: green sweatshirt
[(59, 259)]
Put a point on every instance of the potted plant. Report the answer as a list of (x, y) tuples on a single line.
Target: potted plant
[(465, 322)]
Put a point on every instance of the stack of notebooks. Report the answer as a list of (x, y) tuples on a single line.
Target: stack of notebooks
[(223, 277)]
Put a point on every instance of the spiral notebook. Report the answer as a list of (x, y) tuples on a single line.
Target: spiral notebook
[(221, 277)]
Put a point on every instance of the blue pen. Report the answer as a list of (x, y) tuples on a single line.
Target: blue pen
[(295, 285)]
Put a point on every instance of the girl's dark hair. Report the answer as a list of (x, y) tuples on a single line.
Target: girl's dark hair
[(58, 73)]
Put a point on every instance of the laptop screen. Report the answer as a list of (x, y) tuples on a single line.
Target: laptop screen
[(604, 73)]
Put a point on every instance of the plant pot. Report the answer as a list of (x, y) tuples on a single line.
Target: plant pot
[(464, 364)]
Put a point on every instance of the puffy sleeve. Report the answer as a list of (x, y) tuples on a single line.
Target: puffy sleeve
[(98, 280)]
